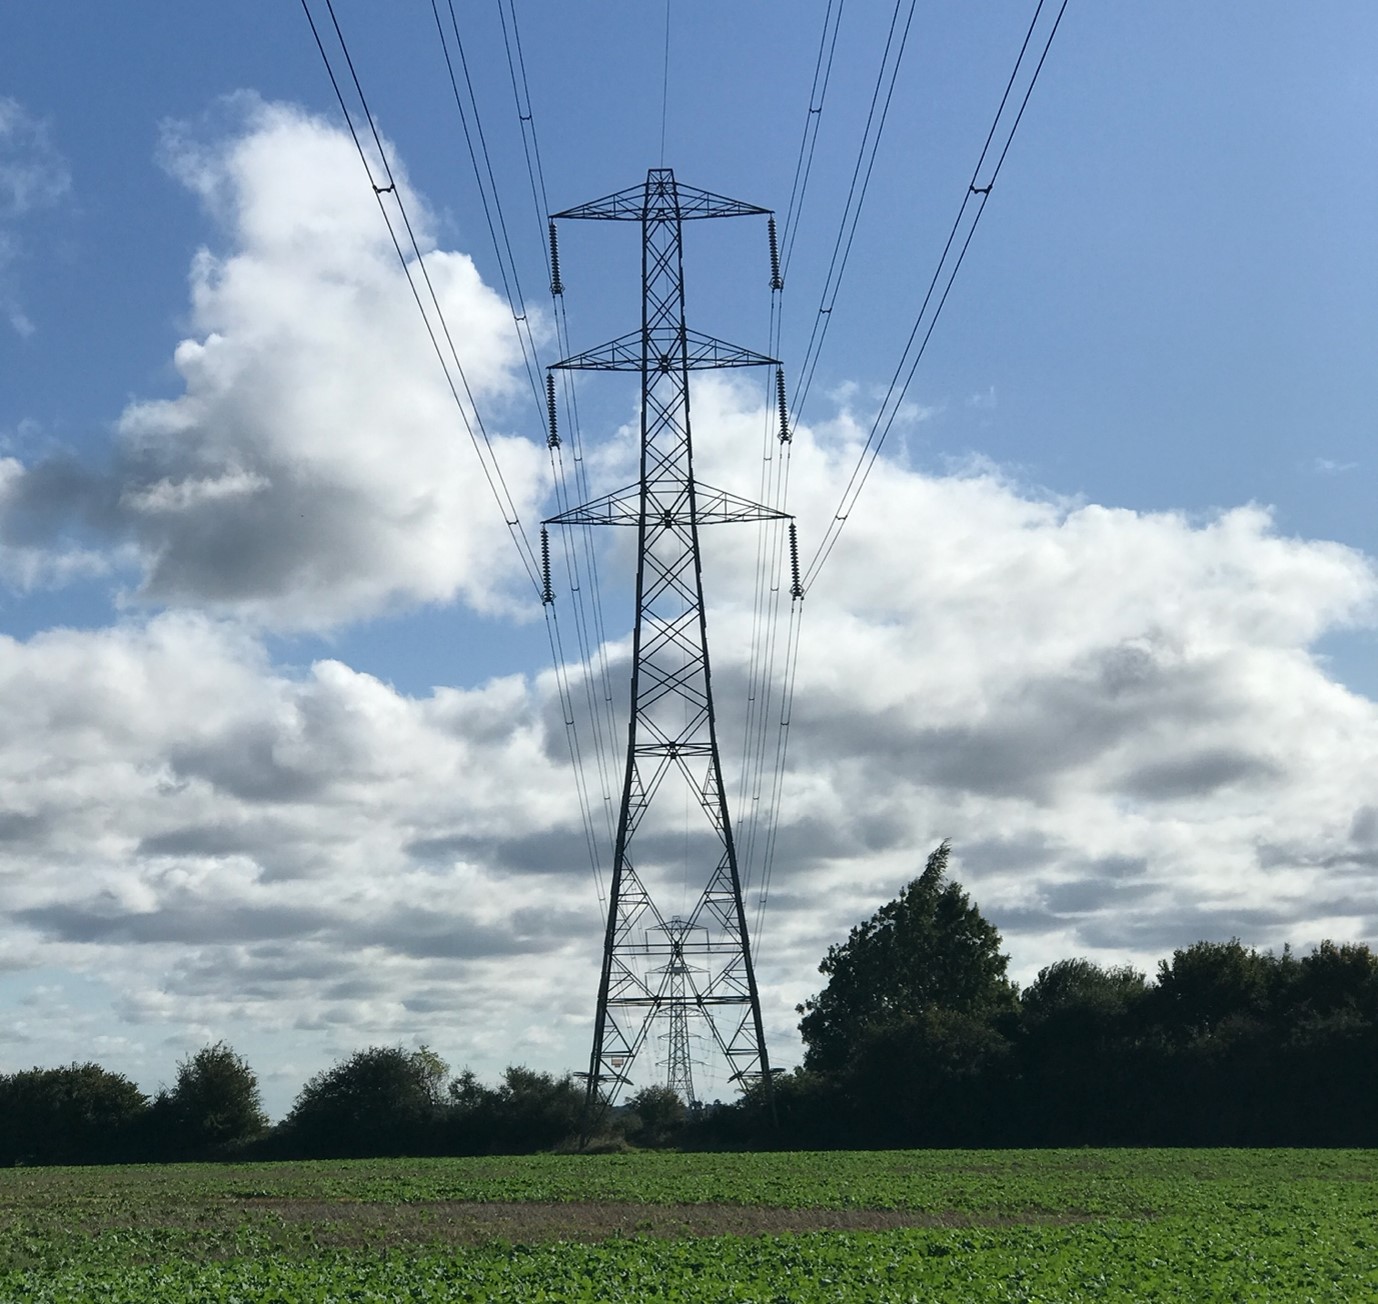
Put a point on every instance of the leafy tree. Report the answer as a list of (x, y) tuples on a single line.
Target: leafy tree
[(1327, 1074), (215, 1102), (1339, 978), (659, 1115), (1228, 1046), (78, 1114), (807, 1111), (527, 1111), (466, 1092), (1208, 984), (534, 1111), (433, 1071), (928, 950), (1080, 1054), (1083, 990), (940, 1077), (1259, 1048), (380, 1101)]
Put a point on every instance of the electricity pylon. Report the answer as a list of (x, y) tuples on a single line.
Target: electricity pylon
[(699, 965), (679, 1060)]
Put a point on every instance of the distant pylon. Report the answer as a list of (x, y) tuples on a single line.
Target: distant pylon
[(679, 1060), (705, 969)]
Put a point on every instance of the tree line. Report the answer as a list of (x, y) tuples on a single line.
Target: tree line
[(918, 1038), (384, 1100)]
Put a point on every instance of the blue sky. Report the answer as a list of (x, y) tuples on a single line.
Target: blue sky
[(1105, 613)]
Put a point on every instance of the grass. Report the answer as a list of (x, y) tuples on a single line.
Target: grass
[(950, 1225)]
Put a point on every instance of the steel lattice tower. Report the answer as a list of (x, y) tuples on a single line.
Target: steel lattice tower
[(701, 965), (678, 1061)]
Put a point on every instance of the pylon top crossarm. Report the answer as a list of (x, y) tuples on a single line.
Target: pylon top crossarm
[(660, 197), (690, 349)]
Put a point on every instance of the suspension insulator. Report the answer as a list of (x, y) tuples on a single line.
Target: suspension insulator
[(775, 282), (552, 439), (784, 407), (548, 593), (557, 286), (796, 589)]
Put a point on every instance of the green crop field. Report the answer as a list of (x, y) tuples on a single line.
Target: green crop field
[(927, 1225)]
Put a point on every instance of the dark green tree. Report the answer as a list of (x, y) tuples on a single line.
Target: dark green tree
[(214, 1104), (1339, 978), (527, 1111), (1083, 990), (1327, 1077), (535, 1111), (657, 1115), (1218, 1071), (1080, 1054), (937, 1078), (380, 1101), (80, 1114), (807, 1111), (928, 950), (1209, 985)]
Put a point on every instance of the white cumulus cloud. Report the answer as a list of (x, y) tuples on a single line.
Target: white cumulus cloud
[(316, 468)]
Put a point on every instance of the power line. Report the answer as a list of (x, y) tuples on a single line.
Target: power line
[(665, 85), (473, 422), (588, 607), (822, 73), (760, 790), (481, 442), (912, 356), (775, 472), (499, 234), (856, 197), (878, 434), (772, 826)]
